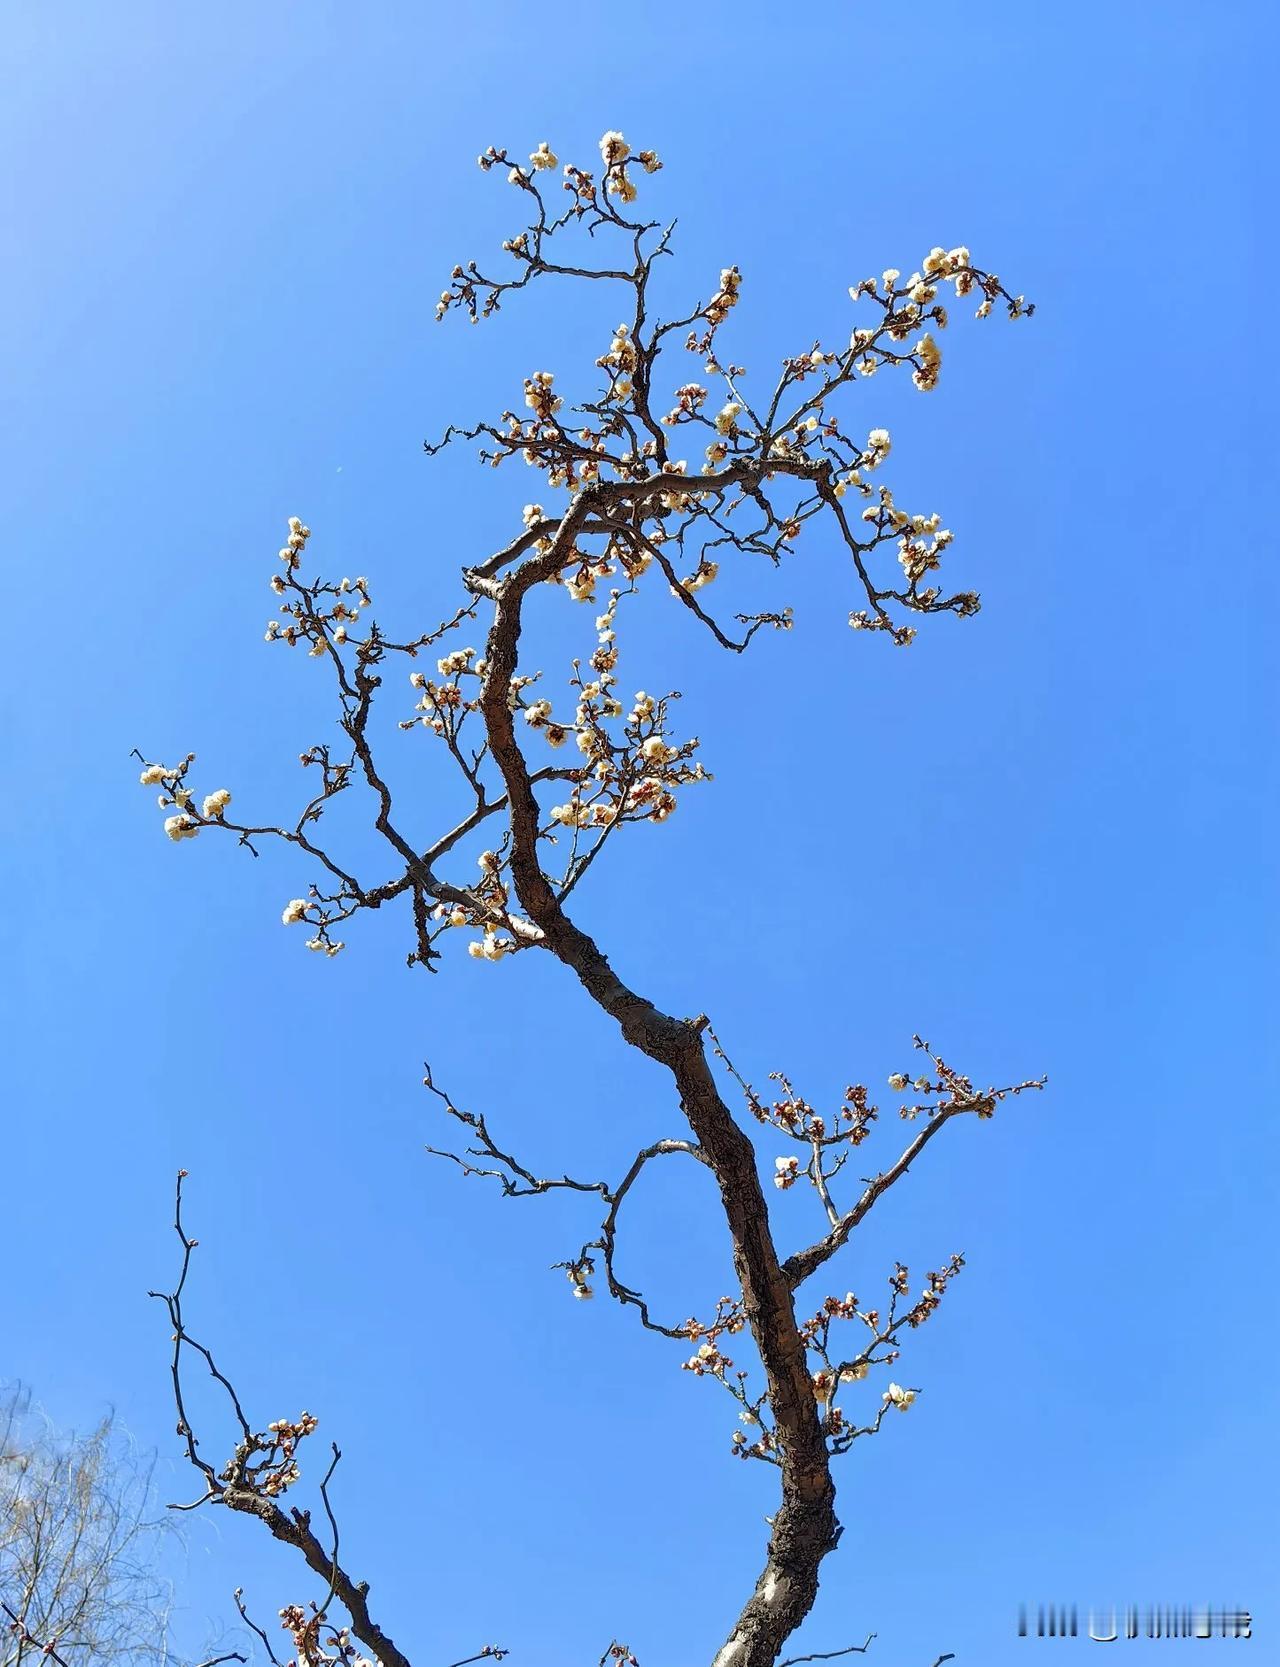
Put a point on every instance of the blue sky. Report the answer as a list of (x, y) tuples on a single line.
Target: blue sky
[(1042, 838)]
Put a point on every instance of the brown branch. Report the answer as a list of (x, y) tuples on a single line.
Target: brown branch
[(831, 1655), (805, 1526), (802, 1263), (261, 1467), (962, 1099), (518, 1181)]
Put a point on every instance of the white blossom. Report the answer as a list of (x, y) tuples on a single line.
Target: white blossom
[(613, 149), (878, 446), (788, 1171)]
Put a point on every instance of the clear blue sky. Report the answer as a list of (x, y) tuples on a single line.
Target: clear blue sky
[(1043, 838)]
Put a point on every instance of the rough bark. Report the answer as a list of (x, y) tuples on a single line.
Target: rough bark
[(805, 1526)]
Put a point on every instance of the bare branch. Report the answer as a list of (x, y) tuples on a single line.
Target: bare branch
[(262, 1467), (830, 1655)]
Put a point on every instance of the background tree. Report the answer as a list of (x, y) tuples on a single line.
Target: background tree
[(79, 1544), (544, 783)]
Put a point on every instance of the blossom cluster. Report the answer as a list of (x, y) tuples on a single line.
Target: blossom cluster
[(944, 1091), (486, 908), (318, 1642), (793, 1116), (730, 1319), (758, 1438), (266, 1462), (630, 767), (592, 199), (948, 1093), (185, 823), (807, 437), (911, 313), (191, 815), (769, 467), (300, 911), (832, 1371), (443, 706), (324, 616)]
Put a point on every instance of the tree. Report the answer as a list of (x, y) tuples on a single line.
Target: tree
[(543, 792), (78, 1545)]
